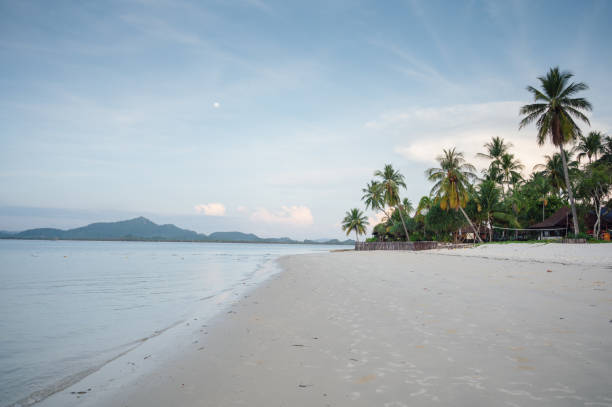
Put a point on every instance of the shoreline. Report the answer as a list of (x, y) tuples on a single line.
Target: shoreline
[(135, 358), (397, 328)]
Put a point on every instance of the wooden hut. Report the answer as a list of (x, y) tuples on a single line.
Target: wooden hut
[(558, 224)]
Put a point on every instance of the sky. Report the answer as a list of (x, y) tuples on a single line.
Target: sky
[(264, 116)]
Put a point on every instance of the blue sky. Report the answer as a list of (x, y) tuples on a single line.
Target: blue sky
[(266, 116)]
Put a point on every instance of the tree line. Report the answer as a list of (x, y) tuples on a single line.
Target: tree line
[(579, 175)]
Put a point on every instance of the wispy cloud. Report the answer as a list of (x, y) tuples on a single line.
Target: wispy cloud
[(291, 215), (411, 65), (260, 5), (159, 28), (211, 209)]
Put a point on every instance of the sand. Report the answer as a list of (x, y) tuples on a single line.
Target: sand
[(487, 326)]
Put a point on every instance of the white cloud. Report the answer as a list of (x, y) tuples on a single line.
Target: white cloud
[(427, 131), (211, 209), (375, 219), (216, 105), (242, 209), (290, 215)]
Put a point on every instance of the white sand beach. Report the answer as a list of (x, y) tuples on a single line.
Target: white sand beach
[(497, 325)]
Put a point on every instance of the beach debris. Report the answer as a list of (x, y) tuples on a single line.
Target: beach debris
[(303, 386), (354, 360), (201, 348), (146, 357), (297, 344), (549, 271), (314, 337)]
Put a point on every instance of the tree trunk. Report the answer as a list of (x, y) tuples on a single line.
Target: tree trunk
[(470, 222), (356, 236), (569, 191), (490, 228), (399, 207), (597, 223)]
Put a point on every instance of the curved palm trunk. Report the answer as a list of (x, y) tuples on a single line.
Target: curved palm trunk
[(356, 236), (471, 224), (403, 223), (569, 191)]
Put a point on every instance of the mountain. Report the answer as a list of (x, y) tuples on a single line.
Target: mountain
[(330, 241), (133, 229), (143, 229), (233, 237)]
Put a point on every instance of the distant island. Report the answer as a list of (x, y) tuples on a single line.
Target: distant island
[(142, 229)]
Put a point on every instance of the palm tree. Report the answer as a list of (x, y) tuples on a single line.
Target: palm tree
[(590, 146), (355, 220), (496, 148), (407, 206), (373, 197), (553, 169), (541, 187), (510, 169), (451, 182), (488, 198), (554, 113), (391, 181), (606, 151), (424, 204)]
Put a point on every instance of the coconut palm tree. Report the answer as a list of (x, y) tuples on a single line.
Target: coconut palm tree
[(606, 151), (373, 197), (407, 206), (495, 149), (553, 170), (541, 187), (391, 180), (488, 199), (554, 113), (509, 168), (424, 204), (452, 180), (355, 220), (590, 146)]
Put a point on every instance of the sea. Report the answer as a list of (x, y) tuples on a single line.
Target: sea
[(67, 308)]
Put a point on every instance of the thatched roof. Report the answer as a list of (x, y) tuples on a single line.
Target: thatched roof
[(559, 219)]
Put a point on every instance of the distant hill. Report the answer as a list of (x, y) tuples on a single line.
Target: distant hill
[(233, 236), (330, 241), (143, 229)]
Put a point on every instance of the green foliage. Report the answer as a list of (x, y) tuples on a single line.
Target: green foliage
[(504, 196), (355, 220), (442, 223)]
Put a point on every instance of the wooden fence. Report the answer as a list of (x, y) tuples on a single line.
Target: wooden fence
[(395, 245)]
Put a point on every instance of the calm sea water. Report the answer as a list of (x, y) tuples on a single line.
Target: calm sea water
[(67, 307)]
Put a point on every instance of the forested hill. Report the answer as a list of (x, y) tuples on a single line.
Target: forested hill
[(143, 229)]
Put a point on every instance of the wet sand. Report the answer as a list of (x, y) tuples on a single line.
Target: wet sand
[(490, 326)]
